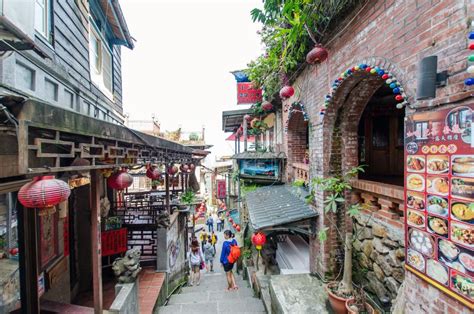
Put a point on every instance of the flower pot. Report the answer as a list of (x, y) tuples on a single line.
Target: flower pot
[(338, 303), (349, 302)]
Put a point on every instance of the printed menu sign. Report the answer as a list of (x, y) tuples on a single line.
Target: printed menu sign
[(439, 199)]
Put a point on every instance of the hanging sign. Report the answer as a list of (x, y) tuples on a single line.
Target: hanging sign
[(221, 189), (439, 196), (248, 94)]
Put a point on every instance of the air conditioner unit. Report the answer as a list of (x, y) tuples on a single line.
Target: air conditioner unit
[(17, 24)]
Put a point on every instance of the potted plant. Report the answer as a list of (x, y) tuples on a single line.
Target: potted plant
[(359, 304), (336, 190)]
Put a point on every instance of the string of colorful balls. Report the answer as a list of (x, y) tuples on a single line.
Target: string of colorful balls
[(391, 81), (293, 109), (470, 69)]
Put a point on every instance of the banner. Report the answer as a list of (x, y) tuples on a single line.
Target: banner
[(439, 196), (221, 189)]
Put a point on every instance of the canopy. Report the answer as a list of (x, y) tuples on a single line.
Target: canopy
[(233, 137)]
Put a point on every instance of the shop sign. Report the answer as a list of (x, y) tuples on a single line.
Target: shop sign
[(259, 168), (439, 196), (114, 242), (221, 189), (248, 94)]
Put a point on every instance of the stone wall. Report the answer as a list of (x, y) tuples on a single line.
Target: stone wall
[(378, 257)]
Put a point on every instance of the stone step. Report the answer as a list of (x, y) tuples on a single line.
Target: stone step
[(220, 307), (207, 296)]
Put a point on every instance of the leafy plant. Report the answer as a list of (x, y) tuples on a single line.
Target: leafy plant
[(299, 183), (289, 30), (188, 197), (194, 137), (247, 253), (335, 189)]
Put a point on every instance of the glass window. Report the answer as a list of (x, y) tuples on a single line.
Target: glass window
[(42, 17), (107, 70), (51, 90), (69, 99), (100, 61), (95, 52)]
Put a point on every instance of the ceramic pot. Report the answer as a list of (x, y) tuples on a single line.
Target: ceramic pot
[(338, 304), (349, 302)]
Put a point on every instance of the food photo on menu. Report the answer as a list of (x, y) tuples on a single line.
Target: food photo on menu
[(416, 163), (455, 257), (437, 271), (438, 226), (462, 165), (416, 219), (437, 205), (462, 284), (438, 185), (463, 188), (421, 241), (462, 234), (415, 182), (462, 211), (416, 200), (437, 164)]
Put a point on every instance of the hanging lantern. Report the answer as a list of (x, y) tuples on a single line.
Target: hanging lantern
[(191, 167), (227, 214), (44, 192), (231, 220), (172, 170), (267, 106), (184, 168), (316, 55), (399, 98), (248, 118), (120, 180), (153, 173), (237, 228), (286, 92), (259, 239), (471, 46), (234, 225)]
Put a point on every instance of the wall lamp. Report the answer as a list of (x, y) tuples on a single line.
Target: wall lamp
[(429, 78)]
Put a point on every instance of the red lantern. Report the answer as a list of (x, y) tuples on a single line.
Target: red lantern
[(316, 55), (248, 118), (227, 214), (44, 192), (267, 106), (184, 168), (287, 92), (385, 76), (192, 167), (153, 173), (259, 239), (237, 228), (120, 180), (173, 170), (399, 98), (234, 225), (231, 220), (471, 46)]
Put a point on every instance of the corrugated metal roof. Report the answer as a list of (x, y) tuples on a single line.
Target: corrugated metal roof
[(276, 205), (259, 155)]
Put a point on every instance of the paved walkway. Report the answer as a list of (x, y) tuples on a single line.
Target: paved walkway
[(211, 295)]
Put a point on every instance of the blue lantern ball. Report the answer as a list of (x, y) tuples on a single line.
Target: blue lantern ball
[(381, 72), (393, 85), (469, 81), (471, 35), (396, 90)]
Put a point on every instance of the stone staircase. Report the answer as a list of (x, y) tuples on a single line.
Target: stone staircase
[(210, 297)]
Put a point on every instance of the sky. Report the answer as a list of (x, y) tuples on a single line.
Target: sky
[(180, 67)]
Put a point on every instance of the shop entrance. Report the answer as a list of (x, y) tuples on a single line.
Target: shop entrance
[(380, 139)]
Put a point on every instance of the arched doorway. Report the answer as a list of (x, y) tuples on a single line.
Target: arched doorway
[(298, 143)]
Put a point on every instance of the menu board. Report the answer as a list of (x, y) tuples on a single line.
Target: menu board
[(439, 199)]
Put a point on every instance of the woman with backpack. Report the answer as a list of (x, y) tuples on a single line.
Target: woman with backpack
[(229, 255), (209, 253), (196, 261)]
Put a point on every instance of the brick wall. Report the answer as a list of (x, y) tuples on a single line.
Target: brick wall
[(296, 141), (395, 35)]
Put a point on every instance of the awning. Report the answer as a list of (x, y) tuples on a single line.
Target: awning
[(233, 137), (276, 205), (232, 119)]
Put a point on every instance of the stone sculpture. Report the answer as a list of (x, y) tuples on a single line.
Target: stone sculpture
[(126, 268)]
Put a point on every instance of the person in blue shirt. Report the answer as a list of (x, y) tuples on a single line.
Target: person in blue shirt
[(229, 241)]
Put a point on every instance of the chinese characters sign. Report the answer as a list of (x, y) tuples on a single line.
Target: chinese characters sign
[(248, 94), (221, 189), (439, 196)]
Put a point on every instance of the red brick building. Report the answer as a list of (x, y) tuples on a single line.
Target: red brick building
[(361, 125)]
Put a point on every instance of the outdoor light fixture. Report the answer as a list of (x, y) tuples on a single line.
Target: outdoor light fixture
[(429, 78)]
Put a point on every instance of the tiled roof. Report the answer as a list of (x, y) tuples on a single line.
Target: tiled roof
[(276, 205)]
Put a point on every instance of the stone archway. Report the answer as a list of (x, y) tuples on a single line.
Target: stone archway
[(297, 128)]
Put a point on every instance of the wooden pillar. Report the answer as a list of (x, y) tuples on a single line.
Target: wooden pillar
[(96, 250), (28, 248), (167, 192), (238, 144), (244, 123)]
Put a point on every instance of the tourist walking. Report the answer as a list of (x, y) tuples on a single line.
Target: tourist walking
[(209, 252), (196, 262), (229, 255), (213, 239), (210, 223), (221, 220), (203, 237)]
